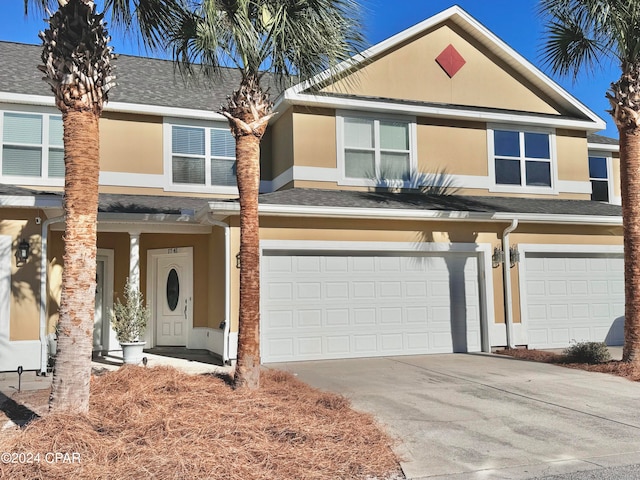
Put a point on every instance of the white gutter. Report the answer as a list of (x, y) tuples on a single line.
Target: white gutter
[(323, 101), (506, 271), (227, 285), (227, 208), (43, 291)]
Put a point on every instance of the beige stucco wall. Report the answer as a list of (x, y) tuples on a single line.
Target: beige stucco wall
[(131, 143), (573, 155), (615, 161), (24, 320), (410, 72), (216, 290), (452, 147), (315, 137), (282, 144)]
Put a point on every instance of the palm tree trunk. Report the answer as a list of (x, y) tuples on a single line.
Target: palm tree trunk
[(72, 374), (248, 173), (630, 186)]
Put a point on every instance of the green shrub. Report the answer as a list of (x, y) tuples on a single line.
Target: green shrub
[(587, 352)]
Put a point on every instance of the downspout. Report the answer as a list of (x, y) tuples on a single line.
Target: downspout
[(227, 286), (506, 271), (43, 291)]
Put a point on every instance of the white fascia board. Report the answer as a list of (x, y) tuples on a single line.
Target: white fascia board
[(560, 219), (470, 24), (122, 107), (24, 99), (341, 212), (29, 201), (440, 111), (603, 147), (163, 111), (377, 213)]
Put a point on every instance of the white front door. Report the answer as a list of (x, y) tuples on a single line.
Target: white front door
[(172, 271)]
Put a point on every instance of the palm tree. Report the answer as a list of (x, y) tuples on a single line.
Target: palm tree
[(581, 34), (77, 65), (286, 38)]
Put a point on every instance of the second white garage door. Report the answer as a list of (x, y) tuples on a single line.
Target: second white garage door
[(328, 306), (573, 297)]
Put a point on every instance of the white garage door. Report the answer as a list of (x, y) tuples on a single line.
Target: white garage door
[(324, 306), (574, 297)]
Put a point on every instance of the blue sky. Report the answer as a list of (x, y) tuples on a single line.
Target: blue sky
[(515, 22)]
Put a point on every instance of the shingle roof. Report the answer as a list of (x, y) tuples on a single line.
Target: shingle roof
[(595, 138), (421, 201), (140, 80), (121, 203)]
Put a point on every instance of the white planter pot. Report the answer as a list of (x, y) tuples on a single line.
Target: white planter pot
[(52, 342), (132, 352)]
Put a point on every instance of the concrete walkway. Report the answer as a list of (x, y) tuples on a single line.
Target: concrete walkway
[(481, 416)]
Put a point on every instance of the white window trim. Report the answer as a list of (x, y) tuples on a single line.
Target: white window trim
[(609, 159), (43, 179), (167, 153), (365, 182), (500, 188)]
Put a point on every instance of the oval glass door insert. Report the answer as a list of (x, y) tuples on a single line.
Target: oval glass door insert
[(173, 289)]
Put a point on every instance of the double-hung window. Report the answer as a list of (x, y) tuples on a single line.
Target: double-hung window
[(522, 159), (599, 176), (32, 146), (202, 156), (376, 149)]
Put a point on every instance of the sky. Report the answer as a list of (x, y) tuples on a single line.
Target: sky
[(513, 21)]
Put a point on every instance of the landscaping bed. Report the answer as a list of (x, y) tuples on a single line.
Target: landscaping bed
[(163, 424)]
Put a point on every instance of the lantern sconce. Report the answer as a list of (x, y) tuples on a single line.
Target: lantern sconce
[(238, 260), (514, 256), (497, 258), (23, 251)]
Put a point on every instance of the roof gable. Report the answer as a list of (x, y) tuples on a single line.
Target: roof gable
[(404, 67)]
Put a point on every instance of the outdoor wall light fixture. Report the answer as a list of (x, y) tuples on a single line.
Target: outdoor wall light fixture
[(22, 254), (238, 260), (514, 256), (497, 258)]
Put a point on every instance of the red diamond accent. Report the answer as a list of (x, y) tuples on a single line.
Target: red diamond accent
[(450, 61)]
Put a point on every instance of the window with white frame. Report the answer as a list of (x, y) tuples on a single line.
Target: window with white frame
[(203, 156), (523, 158), (32, 145), (599, 176), (376, 149)]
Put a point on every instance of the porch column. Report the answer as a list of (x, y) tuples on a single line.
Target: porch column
[(134, 260)]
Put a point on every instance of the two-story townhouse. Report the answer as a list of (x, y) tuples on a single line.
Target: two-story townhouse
[(443, 195)]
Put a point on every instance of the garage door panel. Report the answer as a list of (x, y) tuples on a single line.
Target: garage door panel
[(367, 305), (573, 297)]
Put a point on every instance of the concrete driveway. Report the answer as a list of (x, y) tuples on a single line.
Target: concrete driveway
[(487, 416)]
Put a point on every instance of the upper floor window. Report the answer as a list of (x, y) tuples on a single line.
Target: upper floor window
[(203, 156), (599, 176), (375, 149), (522, 159), (32, 145)]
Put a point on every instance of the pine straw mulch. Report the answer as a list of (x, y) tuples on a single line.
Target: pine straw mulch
[(158, 423), (613, 367)]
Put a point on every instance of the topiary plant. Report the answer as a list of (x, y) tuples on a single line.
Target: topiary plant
[(587, 352), (130, 319)]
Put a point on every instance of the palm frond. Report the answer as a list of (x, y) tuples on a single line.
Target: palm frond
[(288, 38)]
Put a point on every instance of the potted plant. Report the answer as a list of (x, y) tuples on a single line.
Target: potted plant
[(129, 321)]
